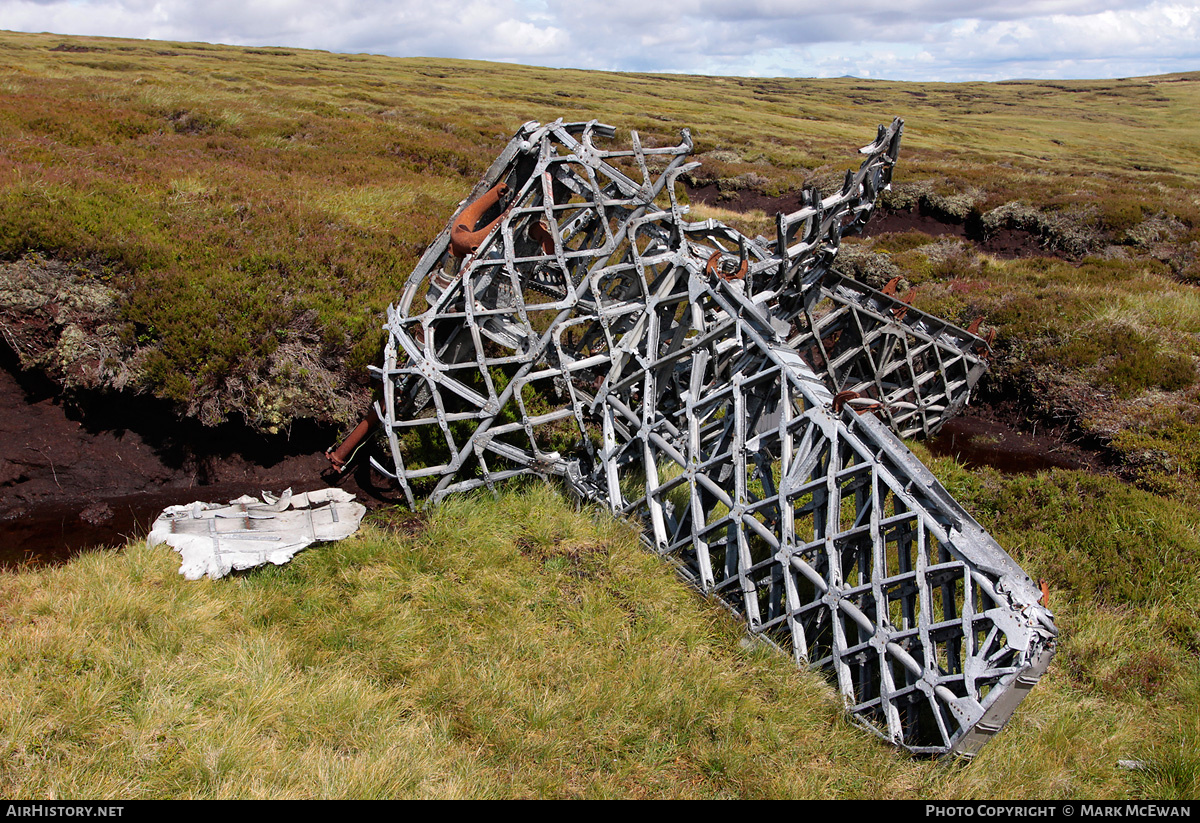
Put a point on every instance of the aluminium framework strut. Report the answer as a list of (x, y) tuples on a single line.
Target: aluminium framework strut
[(570, 321)]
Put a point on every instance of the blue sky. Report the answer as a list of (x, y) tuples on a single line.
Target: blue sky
[(925, 40)]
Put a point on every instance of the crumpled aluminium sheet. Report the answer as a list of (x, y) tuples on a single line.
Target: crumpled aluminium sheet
[(216, 538)]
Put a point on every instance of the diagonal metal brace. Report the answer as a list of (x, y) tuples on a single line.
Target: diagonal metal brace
[(735, 395)]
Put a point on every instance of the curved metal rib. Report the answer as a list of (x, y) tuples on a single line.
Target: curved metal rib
[(685, 374)]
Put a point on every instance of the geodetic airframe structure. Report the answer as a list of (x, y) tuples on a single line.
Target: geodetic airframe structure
[(737, 396)]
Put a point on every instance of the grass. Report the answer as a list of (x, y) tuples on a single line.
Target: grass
[(514, 647), (469, 660), (237, 220)]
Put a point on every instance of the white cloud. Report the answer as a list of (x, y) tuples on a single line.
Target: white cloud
[(922, 40)]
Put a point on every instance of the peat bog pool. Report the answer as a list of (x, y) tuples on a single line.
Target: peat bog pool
[(74, 481), (978, 438), (71, 482)]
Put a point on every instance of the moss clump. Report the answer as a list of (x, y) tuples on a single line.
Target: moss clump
[(895, 242), (1141, 367), (1162, 449), (944, 200), (1120, 214), (858, 262)]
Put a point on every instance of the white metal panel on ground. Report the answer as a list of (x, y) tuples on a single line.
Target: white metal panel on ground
[(217, 538)]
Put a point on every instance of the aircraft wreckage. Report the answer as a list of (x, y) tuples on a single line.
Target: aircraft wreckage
[(739, 397)]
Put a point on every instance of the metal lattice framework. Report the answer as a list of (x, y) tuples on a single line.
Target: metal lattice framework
[(571, 321)]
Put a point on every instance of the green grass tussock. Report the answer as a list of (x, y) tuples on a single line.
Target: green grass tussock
[(476, 658)]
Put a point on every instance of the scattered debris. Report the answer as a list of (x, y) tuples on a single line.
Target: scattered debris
[(216, 538), (570, 321)]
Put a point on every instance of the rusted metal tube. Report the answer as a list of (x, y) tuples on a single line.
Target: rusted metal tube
[(540, 232), (340, 456), (464, 238)]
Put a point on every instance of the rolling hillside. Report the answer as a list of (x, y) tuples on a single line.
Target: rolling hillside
[(216, 231)]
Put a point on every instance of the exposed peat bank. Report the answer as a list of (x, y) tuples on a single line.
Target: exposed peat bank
[(73, 480), (96, 471), (75, 477)]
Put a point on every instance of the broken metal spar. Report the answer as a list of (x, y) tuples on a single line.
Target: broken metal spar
[(571, 321)]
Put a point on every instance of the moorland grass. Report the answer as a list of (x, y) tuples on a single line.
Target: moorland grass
[(241, 197), (517, 647), (256, 209)]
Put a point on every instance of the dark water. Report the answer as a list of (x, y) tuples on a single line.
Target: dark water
[(52, 533), (977, 442)]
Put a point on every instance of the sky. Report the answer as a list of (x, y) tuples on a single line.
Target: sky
[(922, 40)]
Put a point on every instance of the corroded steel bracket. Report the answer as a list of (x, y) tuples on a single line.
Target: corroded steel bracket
[(724, 390)]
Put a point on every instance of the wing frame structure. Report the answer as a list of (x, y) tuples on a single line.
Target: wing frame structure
[(735, 395)]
